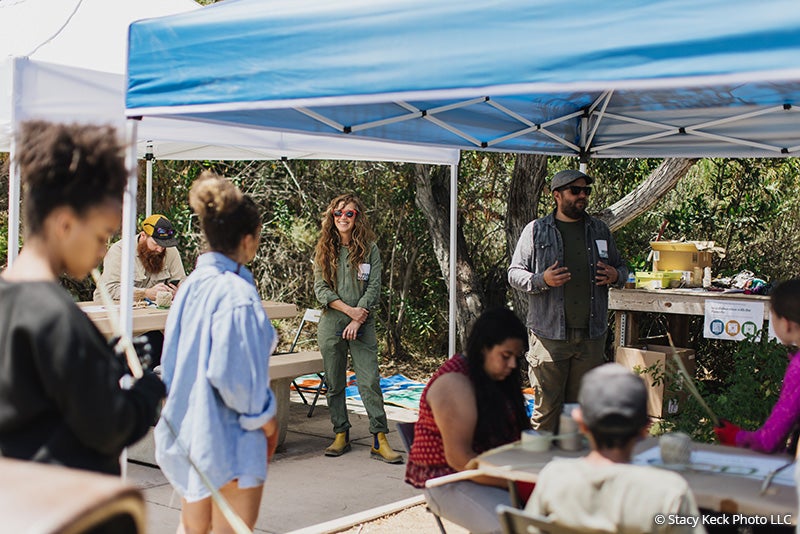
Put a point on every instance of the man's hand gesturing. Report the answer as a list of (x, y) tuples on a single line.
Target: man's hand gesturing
[(555, 276)]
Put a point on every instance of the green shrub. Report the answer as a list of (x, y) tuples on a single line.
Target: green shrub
[(745, 396)]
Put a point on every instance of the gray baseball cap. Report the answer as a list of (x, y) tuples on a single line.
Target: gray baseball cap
[(613, 399), (563, 178)]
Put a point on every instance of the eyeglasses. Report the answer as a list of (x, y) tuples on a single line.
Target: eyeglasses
[(349, 213), (576, 189)]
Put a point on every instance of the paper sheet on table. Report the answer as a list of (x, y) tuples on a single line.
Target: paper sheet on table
[(755, 467), (93, 309)]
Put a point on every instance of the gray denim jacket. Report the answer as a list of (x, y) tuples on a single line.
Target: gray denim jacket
[(539, 246)]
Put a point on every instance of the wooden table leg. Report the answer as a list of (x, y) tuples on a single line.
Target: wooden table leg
[(280, 387)]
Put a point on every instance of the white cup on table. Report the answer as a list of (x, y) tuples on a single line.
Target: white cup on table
[(536, 440)]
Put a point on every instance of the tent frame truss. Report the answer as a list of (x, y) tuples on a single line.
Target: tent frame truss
[(597, 114), (430, 115)]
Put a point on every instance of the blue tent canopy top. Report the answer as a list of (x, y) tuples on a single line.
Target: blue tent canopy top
[(622, 78)]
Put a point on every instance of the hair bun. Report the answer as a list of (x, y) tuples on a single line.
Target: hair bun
[(212, 195)]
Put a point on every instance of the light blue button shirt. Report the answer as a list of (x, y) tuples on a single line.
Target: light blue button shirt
[(216, 367)]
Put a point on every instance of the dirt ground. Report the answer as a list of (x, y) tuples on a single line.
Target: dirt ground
[(414, 519)]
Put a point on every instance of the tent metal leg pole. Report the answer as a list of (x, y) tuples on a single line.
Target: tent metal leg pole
[(13, 205), (453, 289), (128, 232), (13, 173), (148, 205), (584, 127)]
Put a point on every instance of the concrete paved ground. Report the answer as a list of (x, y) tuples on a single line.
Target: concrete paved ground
[(304, 488)]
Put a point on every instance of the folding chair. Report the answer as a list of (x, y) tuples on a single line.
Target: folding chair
[(514, 521), (310, 316), (406, 431)]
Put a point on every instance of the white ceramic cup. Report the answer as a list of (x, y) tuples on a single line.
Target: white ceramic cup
[(163, 299), (676, 448), (568, 427), (536, 440)]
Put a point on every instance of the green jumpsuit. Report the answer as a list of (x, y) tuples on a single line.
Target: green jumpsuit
[(357, 288)]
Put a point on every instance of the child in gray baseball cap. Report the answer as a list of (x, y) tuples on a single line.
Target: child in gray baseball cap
[(602, 491)]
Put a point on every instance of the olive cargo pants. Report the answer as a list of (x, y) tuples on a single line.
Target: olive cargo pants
[(555, 371), (364, 353)]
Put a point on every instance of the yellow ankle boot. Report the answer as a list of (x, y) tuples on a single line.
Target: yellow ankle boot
[(340, 445), (381, 450)]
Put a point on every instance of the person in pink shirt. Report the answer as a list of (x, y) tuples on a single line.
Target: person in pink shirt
[(785, 416)]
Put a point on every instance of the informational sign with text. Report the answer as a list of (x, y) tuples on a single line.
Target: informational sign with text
[(732, 319)]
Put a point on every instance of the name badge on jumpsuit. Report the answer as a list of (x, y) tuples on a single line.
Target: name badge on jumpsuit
[(363, 271)]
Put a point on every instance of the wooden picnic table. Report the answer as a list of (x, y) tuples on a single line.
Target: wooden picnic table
[(713, 490), (153, 318)]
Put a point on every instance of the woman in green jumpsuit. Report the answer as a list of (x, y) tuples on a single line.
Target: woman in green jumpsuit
[(347, 281)]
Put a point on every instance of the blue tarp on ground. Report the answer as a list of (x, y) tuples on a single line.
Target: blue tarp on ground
[(397, 391)]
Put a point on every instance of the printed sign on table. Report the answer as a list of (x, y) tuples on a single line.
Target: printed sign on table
[(732, 319)]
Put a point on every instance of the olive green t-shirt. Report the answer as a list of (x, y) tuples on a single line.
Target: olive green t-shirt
[(577, 292)]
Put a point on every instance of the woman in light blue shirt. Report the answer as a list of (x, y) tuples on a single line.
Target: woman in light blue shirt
[(220, 409)]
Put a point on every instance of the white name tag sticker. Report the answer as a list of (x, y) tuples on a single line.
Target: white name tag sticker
[(602, 248), (363, 271)]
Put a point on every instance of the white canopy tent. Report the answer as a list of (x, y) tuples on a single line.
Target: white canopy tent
[(64, 61)]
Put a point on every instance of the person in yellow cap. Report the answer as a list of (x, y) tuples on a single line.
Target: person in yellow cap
[(157, 264), (157, 267)]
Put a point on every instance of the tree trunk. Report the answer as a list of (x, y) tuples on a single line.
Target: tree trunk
[(433, 199), (647, 193), (393, 338), (408, 277), (527, 182)]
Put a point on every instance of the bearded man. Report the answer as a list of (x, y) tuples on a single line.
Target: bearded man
[(157, 267), (565, 262)]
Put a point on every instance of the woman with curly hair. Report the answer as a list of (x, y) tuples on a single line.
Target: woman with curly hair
[(473, 403), (220, 409), (60, 400), (347, 281)]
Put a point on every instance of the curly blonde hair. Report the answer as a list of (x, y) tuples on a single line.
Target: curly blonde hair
[(326, 255)]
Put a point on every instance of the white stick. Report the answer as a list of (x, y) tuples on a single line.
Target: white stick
[(233, 519), (130, 353)]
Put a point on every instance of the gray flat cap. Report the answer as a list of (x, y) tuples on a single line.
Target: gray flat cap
[(563, 178)]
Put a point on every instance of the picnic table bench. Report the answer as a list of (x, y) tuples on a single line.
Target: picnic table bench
[(283, 368)]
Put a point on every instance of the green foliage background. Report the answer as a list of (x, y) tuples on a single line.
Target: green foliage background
[(745, 395), (749, 206)]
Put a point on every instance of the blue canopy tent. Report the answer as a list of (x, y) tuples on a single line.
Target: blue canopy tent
[(622, 78)]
